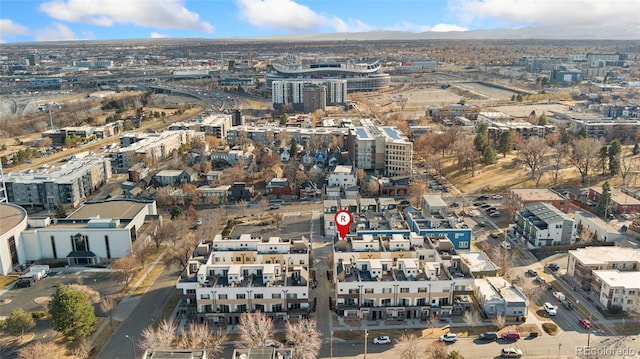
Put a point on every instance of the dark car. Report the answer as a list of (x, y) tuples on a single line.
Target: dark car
[(491, 336), (482, 198), (22, 283), (554, 267)]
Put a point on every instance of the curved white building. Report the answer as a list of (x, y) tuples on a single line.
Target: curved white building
[(13, 220)]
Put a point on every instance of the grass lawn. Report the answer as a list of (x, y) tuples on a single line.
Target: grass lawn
[(628, 327), (148, 281), (6, 280)]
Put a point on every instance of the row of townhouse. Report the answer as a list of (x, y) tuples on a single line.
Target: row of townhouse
[(231, 276), (413, 277), (610, 273)]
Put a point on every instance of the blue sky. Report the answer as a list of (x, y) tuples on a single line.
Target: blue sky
[(51, 20)]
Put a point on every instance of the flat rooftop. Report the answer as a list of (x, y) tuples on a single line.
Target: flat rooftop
[(10, 216), (599, 255), (615, 278), (477, 261), (109, 209)]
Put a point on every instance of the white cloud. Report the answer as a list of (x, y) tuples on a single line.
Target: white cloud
[(10, 28), (59, 32), (407, 26), (549, 12), (155, 35), (290, 16), (165, 14)]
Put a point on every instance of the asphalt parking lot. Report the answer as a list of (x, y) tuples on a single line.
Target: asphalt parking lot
[(97, 279)]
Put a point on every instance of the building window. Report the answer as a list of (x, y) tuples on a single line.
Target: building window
[(463, 244), (53, 247), (386, 302), (258, 296), (240, 296), (368, 290), (13, 250), (276, 296), (422, 290), (205, 296), (106, 245), (404, 290), (386, 290), (222, 296)]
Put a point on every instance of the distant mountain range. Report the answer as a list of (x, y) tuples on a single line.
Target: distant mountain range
[(608, 32)]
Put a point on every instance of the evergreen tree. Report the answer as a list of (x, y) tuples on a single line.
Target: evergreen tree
[(566, 138), (488, 155), (582, 133), (636, 149), (293, 149), (615, 149), (605, 204), (60, 211), (604, 155), (543, 120), (506, 143), (481, 142), (18, 322), (71, 313)]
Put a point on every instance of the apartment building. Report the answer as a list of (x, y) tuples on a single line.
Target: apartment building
[(583, 262), (381, 148), (150, 146), (606, 128), (542, 224), (398, 277), (342, 176), (247, 273), (622, 202), (69, 183), (599, 229), (213, 125), (324, 136), (293, 91), (615, 288), (521, 197)]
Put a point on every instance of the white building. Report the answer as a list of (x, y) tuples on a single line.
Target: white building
[(598, 228), (617, 289), (342, 176), (13, 220), (95, 232), (583, 262), (497, 296), (542, 224), (291, 91)]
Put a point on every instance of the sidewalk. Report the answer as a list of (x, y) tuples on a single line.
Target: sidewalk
[(128, 303)]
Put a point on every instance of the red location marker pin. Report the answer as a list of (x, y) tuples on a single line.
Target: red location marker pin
[(343, 219)]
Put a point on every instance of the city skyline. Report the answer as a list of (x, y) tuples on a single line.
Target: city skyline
[(57, 20)]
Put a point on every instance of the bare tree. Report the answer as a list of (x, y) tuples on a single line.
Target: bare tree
[(532, 153), (499, 321), (438, 350), (107, 305), (83, 348), (278, 218), (585, 155), (198, 335), (628, 165), (558, 159), (431, 322), (39, 350), (92, 294), (409, 347), (124, 268), (255, 329), (180, 253), (162, 337), (503, 258), (142, 250), (306, 338), (472, 318)]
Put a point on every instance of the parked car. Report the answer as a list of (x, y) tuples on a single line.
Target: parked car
[(449, 338), (485, 206), (22, 283), (497, 196), (275, 206), (492, 336), (383, 339), (494, 214), (533, 334), (510, 336), (505, 245), (553, 266), (550, 309), (494, 235), (481, 224), (482, 197), (559, 296), (511, 353), (532, 272), (586, 323), (540, 279)]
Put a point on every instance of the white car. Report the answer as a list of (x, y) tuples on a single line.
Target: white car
[(383, 339), (560, 296), (550, 309), (449, 338), (497, 196)]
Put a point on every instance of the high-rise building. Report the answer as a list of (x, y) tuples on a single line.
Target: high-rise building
[(315, 97)]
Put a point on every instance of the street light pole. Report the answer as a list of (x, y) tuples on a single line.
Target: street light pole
[(331, 344), (366, 335), (133, 345)]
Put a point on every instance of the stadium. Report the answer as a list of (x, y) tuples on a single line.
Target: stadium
[(360, 75)]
